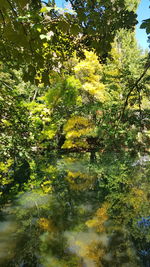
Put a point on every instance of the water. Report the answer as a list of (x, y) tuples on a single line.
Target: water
[(74, 213)]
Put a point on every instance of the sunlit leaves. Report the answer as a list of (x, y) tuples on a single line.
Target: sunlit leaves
[(76, 128), (88, 69), (49, 132), (5, 174), (89, 72), (63, 91), (76, 122)]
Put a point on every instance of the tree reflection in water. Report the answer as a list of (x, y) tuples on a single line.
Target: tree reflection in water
[(80, 214)]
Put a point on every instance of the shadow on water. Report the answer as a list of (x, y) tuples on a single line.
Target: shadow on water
[(80, 214)]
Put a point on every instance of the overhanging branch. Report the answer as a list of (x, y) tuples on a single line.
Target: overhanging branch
[(132, 88)]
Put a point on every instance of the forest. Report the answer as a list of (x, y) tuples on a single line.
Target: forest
[(74, 135)]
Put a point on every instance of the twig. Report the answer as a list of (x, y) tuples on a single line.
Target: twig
[(35, 94), (4, 83)]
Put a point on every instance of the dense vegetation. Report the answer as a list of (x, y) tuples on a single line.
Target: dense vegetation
[(75, 135)]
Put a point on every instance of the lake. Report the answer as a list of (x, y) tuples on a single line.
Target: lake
[(76, 212)]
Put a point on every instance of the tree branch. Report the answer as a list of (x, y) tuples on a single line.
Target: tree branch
[(132, 88)]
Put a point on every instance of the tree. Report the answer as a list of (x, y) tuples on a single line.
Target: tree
[(39, 37), (15, 141), (100, 20)]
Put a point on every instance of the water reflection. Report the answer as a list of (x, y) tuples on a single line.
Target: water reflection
[(7, 244), (80, 214)]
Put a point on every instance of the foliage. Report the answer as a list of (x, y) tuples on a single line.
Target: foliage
[(74, 164), (99, 21), (39, 36)]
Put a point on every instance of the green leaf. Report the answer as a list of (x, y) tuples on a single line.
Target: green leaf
[(43, 36), (75, 29), (146, 25)]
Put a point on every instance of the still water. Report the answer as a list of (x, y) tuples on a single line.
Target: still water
[(76, 213)]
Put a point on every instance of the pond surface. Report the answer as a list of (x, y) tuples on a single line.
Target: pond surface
[(76, 213)]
